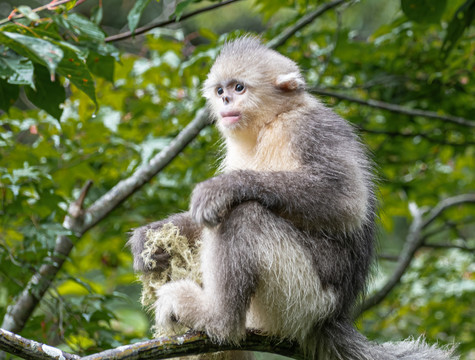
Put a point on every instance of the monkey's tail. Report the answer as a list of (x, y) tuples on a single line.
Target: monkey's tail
[(341, 341)]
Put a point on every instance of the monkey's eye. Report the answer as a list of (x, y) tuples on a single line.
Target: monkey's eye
[(220, 91), (239, 88)]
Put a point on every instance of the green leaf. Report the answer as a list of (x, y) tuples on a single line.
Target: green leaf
[(80, 26), (135, 13), (424, 11), (70, 5), (86, 28), (180, 8), (16, 69), (38, 50), (267, 8), (462, 19), (28, 13), (74, 68), (8, 94), (49, 95), (102, 66), (96, 14)]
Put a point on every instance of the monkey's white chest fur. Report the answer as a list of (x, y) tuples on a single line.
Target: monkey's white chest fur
[(289, 299)]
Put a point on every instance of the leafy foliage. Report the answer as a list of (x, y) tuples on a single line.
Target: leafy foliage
[(63, 43), (424, 11), (461, 20), (77, 109)]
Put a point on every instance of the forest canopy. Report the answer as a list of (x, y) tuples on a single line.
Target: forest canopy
[(103, 128)]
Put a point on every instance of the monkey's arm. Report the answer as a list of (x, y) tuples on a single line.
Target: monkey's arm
[(183, 221), (320, 199)]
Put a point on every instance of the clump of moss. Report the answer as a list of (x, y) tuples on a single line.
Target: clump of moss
[(183, 262)]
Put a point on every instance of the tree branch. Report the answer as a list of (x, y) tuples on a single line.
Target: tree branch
[(191, 343), (49, 6), (446, 204), (173, 20), (18, 313), (396, 108), (450, 246), (302, 22), (30, 349), (424, 135), (414, 241), (79, 221)]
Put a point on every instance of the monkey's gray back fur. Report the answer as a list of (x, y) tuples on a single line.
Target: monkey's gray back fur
[(288, 229)]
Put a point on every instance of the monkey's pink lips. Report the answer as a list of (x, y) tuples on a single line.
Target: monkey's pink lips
[(230, 117)]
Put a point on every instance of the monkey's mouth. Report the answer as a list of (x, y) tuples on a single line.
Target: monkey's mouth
[(230, 117)]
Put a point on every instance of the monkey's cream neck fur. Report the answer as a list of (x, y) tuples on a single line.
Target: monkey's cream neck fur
[(265, 146)]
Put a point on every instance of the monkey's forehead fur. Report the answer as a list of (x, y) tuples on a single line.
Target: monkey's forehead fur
[(247, 60)]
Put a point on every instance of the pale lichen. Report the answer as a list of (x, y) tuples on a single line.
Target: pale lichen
[(183, 263)]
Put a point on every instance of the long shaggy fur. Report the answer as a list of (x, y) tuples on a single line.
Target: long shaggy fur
[(287, 228)]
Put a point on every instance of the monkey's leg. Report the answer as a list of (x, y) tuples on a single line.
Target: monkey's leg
[(230, 275), (138, 238)]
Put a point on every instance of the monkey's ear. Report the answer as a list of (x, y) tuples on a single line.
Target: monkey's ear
[(290, 82)]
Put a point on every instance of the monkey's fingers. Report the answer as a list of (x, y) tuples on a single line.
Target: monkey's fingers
[(162, 259), (158, 260)]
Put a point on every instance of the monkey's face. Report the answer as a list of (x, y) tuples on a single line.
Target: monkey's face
[(229, 100), (249, 85), (232, 104)]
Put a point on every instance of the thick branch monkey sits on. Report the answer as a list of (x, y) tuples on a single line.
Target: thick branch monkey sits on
[(287, 228)]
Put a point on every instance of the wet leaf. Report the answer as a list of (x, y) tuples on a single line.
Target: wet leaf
[(16, 69), (49, 95), (8, 94), (28, 13), (41, 51), (80, 26), (135, 13), (180, 8)]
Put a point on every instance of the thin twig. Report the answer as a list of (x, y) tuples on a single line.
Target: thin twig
[(414, 241), (302, 22), (48, 6), (423, 135), (388, 257), (446, 204), (173, 20), (450, 246), (396, 108)]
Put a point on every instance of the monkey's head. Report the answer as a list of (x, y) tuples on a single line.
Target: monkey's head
[(249, 85)]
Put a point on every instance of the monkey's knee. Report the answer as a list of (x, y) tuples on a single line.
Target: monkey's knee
[(249, 213)]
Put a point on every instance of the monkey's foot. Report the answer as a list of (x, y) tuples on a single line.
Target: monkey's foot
[(185, 303), (178, 303)]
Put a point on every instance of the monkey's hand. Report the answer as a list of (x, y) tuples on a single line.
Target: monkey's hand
[(158, 259), (211, 200)]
